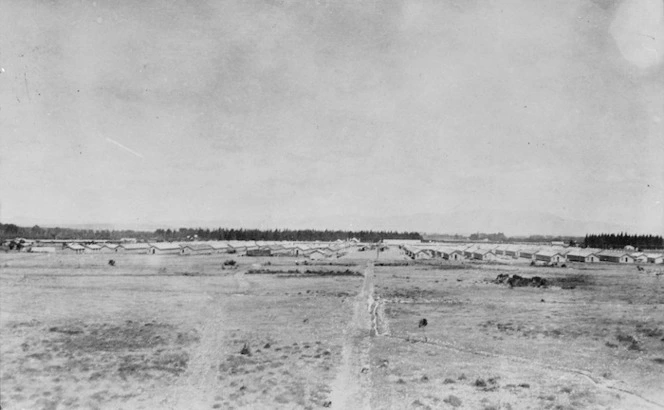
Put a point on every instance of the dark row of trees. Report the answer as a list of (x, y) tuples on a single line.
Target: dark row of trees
[(224, 234), (619, 241), (501, 237), (493, 237), (11, 231)]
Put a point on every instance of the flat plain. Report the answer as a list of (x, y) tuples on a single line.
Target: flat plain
[(188, 332)]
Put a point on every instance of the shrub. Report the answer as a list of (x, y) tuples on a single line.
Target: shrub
[(245, 350), (453, 400)]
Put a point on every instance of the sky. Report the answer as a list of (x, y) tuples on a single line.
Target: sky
[(317, 113)]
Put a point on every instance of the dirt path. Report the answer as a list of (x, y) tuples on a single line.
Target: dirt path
[(351, 389), (198, 386)]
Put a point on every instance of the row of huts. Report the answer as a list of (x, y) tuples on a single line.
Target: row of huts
[(311, 250), (546, 254)]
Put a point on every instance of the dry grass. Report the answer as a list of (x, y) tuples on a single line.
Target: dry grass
[(166, 331)]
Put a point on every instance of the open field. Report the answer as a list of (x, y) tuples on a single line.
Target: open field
[(181, 332)]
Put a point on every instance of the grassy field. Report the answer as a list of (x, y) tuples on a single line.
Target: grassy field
[(173, 332)]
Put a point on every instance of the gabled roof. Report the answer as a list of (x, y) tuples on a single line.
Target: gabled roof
[(75, 246), (548, 252), (321, 251), (219, 245), (165, 246), (483, 251), (617, 252), (134, 245), (582, 252), (197, 246)]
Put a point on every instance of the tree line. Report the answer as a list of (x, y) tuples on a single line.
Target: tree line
[(501, 237), (225, 234), (11, 231), (619, 241)]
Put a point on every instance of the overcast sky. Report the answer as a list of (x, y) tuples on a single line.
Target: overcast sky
[(282, 113)]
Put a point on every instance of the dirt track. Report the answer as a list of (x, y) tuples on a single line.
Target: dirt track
[(352, 387)]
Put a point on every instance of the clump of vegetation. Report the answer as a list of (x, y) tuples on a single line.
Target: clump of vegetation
[(414, 292), (630, 341), (404, 263), (488, 385), (245, 350), (324, 273), (453, 400), (443, 266), (270, 271), (230, 262), (648, 331), (622, 338), (299, 273), (519, 281)]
